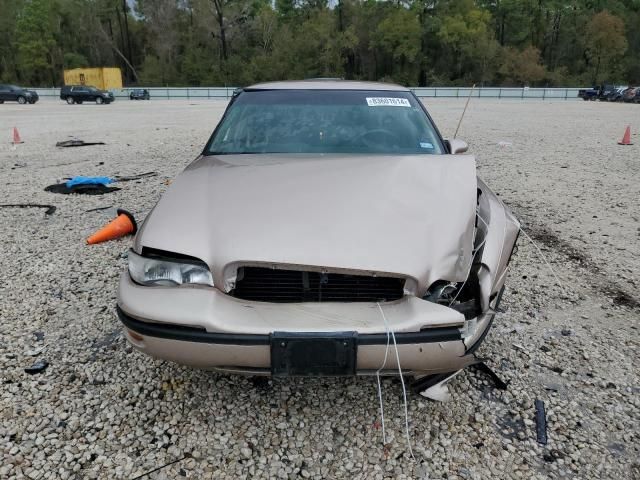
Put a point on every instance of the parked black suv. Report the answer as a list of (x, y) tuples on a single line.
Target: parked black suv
[(81, 93), (11, 93)]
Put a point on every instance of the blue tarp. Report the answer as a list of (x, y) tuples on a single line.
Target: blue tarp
[(89, 181)]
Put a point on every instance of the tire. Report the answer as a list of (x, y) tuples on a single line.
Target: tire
[(1, 102), (70, 100), (99, 100), (79, 102), (22, 100)]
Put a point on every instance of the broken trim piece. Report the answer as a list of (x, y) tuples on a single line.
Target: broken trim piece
[(50, 209), (76, 143), (541, 422), (484, 368)]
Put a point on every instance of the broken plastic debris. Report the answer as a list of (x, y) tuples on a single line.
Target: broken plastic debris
[(135, 177), (39, 366), (541, 422), (50, 209), (77, 143), (80, 189), (439, 392)]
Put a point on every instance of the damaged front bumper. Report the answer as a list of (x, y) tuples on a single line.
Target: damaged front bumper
[(223, 333)]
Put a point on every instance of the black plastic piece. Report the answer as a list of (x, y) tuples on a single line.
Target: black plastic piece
[(50, 209), (93, 189), (541, 422), (39, 366), (429, 381), (314, 354), (484, 368)]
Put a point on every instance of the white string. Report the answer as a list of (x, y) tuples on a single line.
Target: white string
[(384, 363), (404, 389), (544, 259)]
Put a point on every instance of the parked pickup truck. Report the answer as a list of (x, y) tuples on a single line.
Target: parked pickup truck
[(588, 93)]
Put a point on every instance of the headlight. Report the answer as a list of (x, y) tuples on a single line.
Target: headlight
[(463, 296), (168, 272)]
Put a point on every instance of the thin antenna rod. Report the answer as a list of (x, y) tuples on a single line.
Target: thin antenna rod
[(464, 111)]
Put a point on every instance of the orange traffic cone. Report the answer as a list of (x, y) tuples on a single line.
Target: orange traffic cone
[(16, 137), (124, 224), (626, 138)]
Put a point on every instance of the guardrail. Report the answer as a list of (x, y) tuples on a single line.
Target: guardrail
[(224, 93), (498, 92)]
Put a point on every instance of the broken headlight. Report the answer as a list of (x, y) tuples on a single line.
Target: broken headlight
[(462, 296), (158, 271)]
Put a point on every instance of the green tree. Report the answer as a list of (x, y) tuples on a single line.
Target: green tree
[(36, 42), (605, 45)]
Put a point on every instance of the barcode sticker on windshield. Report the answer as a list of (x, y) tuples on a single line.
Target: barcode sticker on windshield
[(387, 102)]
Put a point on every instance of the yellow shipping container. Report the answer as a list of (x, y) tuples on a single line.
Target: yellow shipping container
[(103, 78)]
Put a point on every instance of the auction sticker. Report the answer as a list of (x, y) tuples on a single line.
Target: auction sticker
[(387, 102)]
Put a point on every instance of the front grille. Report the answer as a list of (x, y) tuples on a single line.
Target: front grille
[(270, 285)]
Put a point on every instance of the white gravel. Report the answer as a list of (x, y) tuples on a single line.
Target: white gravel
[(101, 410)]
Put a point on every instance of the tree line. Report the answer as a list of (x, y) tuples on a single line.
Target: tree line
[(239, 42)]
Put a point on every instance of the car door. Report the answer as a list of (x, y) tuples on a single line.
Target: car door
[(4, 90), (14, 93)]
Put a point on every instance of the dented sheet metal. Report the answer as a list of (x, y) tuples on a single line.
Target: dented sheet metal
[(409, 215)]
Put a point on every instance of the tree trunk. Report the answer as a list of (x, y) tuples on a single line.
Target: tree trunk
[(126, 29), (217, 4), (122, 43)]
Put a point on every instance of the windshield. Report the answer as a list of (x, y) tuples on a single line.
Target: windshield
[(325, 121)]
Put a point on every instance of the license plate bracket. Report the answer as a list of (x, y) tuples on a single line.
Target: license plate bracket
[(311, 354)]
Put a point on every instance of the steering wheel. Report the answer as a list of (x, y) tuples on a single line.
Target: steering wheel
[(380, 135)]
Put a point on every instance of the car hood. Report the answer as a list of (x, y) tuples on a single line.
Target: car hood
[(408, 215)]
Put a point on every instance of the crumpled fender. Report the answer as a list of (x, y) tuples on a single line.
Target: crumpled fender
[(500, 235)]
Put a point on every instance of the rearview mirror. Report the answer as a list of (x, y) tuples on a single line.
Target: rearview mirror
[(457, 146)]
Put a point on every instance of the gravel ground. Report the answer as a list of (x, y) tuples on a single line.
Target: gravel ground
[(101, 410)]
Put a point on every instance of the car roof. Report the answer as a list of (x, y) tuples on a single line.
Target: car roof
[(327, 84)]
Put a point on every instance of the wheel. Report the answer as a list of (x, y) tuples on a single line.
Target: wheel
[(22, 100), (32, 102), (79, 102), (1, 102), (99, 101), (70, 100)]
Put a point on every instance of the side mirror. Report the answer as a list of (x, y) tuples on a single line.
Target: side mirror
[(457, 146)]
